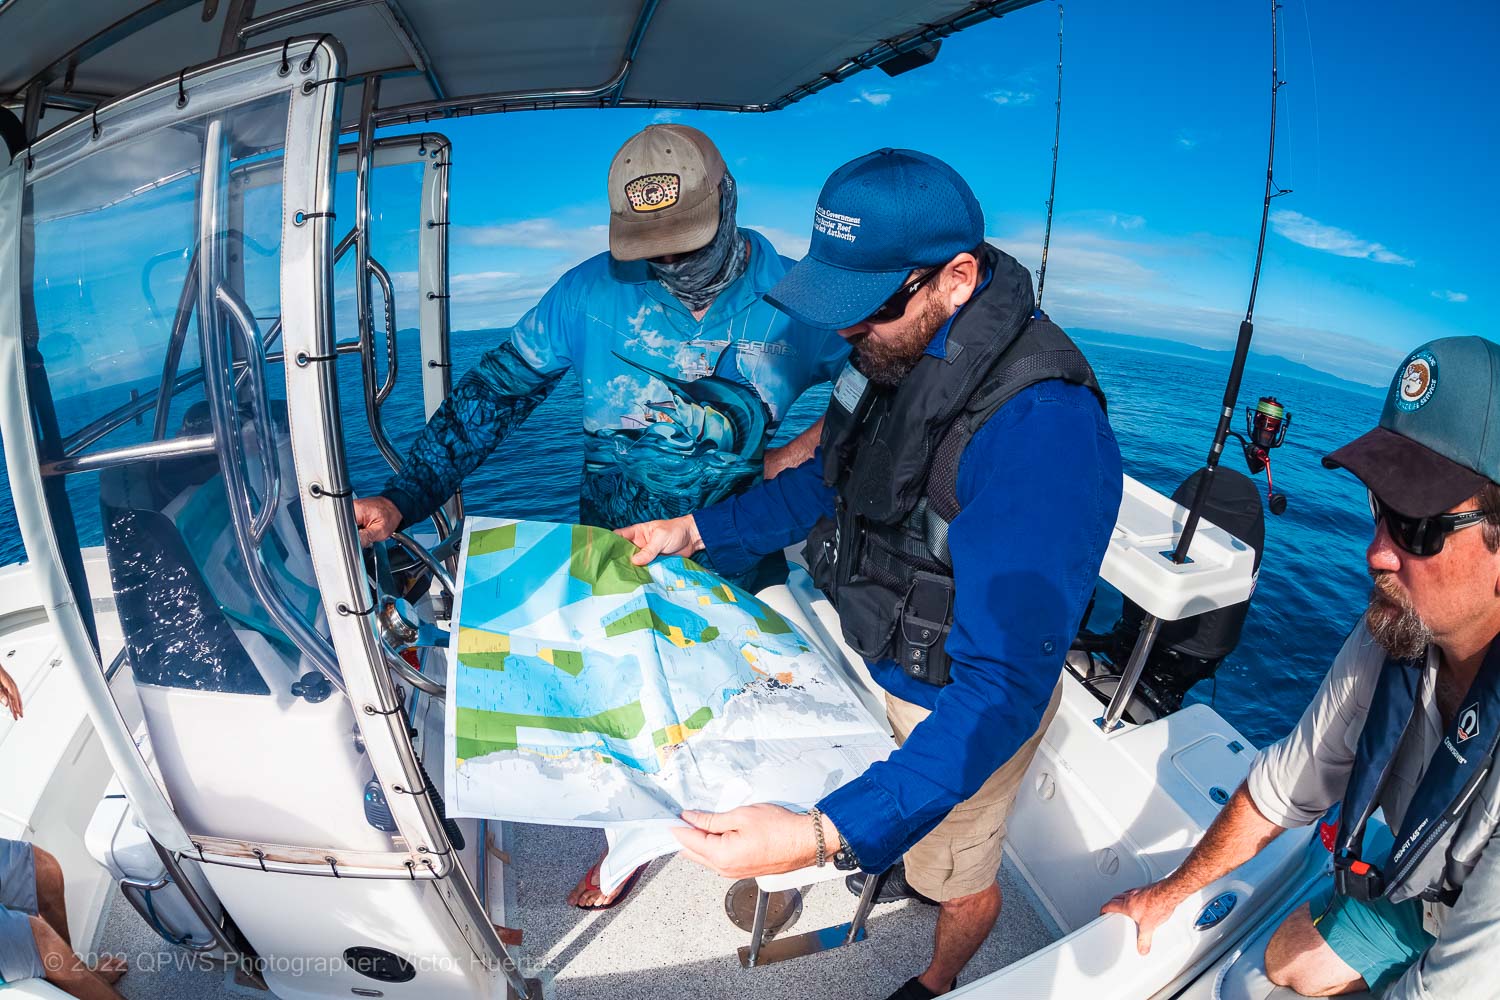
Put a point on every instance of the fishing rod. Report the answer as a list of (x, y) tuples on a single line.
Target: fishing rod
[(1041, 274), (1268, 409)]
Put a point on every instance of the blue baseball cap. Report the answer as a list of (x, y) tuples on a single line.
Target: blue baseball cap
[(879, 218), (1438, 440)]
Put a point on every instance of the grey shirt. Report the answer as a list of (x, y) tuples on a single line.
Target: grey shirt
[(1295, 781)]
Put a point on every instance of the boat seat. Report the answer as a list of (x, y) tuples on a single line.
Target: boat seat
[(161, 594), (176, 571), (1245, 978)]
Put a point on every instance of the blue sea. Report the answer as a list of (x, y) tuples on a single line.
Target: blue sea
[(1163, 407)]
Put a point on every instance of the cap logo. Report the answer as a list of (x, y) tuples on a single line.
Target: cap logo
[(1418, 381), (653, 192), (1468, 723), (840, 227)]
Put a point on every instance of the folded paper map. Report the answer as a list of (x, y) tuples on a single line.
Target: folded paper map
[(586, 691)]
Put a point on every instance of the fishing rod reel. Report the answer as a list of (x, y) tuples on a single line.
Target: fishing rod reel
[(1265, 429)]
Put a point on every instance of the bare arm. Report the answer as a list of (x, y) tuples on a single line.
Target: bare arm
[(1236, 835), (795, 451)]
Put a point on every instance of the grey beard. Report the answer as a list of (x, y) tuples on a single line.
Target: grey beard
[(1394, 623)]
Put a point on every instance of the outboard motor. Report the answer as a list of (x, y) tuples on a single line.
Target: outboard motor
[(1188, 650)]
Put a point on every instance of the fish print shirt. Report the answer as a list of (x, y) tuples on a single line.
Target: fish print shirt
[(677, 411)]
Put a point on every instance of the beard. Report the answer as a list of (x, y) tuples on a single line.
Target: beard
[(891, 359), (1393, 622)]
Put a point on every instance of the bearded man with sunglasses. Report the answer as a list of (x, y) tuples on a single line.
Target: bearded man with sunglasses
[(1407, 720), (956, 514)]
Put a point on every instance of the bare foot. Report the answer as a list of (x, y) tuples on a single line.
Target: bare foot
[(587, 894), (110, 968)]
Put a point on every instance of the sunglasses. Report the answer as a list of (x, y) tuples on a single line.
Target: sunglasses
[(1422, 536), (895, 306)]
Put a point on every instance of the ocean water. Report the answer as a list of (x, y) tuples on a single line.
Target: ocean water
[(1312, 584)]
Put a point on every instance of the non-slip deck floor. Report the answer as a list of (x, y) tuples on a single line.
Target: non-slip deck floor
[(672, 937)]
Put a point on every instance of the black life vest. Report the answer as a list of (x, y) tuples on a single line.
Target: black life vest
[(1459, 766), (892, 454)]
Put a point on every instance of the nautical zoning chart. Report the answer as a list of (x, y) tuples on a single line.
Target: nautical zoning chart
[(587, 691)]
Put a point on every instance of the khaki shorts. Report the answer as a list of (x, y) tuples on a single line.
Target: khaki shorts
[(961, 856)]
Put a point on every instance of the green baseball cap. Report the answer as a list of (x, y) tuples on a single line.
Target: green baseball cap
[(1438, 441)]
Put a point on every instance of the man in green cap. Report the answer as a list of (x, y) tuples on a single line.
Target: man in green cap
[(1407, 720)]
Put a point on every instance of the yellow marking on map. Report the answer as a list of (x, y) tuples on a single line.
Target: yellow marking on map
[(751, 633), (703, 599), (477, 640), (676, 638), (545, 655)]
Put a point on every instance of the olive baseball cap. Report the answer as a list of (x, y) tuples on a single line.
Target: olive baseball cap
[(1438, 440), (664, 193)]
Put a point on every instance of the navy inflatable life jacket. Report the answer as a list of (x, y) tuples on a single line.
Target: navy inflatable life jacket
[(892, 453), (1458, 768)]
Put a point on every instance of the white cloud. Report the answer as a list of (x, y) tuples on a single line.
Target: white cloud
[(879, 98), (1006, 98), (1449, 295), (666, 115), (539, 234), (788, 243), (1316, 235), (1186, 139), (1099, 278), (1113, 220)]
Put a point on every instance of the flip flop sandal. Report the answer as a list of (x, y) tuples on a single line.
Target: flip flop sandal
[(625, 888)]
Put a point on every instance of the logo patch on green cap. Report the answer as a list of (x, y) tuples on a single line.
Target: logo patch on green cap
[(1418, 382)]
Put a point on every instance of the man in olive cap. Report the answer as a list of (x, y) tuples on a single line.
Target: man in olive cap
[(1407, 720), (686, 371)]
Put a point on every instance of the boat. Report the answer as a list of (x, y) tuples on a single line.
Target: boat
[(233, 737)]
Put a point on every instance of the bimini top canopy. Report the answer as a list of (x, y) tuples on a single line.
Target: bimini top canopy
[(440, 57)]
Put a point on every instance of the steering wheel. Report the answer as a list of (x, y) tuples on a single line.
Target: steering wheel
[(392, 587)]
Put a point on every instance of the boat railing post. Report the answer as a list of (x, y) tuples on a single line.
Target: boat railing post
[(866, 904), (1134, 667), (758, 927)]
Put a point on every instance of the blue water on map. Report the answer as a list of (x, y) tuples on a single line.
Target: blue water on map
[(1312, 585)]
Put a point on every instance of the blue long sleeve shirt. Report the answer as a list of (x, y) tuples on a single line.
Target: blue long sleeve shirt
[(1039, 486)]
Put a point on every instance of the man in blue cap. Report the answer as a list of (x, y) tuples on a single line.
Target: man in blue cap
[(1407, 720), (956, 513)]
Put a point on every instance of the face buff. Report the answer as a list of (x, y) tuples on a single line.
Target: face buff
[(697, 278)]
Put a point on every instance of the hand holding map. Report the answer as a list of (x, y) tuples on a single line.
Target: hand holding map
[(676, 536)]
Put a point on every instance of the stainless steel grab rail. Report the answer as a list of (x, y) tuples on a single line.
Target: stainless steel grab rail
[(225, 415), (388, 292), (255, 371)]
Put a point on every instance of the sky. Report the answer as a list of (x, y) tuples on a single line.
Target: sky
[(1387, 138)]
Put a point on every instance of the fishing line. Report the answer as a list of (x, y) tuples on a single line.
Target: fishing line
[(1041, 274), (1247, 326), (1312, 63)]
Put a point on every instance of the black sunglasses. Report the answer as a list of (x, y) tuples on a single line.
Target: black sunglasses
[(895, 306), (1421, 536)]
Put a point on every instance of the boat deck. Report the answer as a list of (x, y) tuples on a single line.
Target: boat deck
[(672, 936)]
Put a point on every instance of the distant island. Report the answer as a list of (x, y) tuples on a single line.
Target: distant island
[(1266, 364)]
